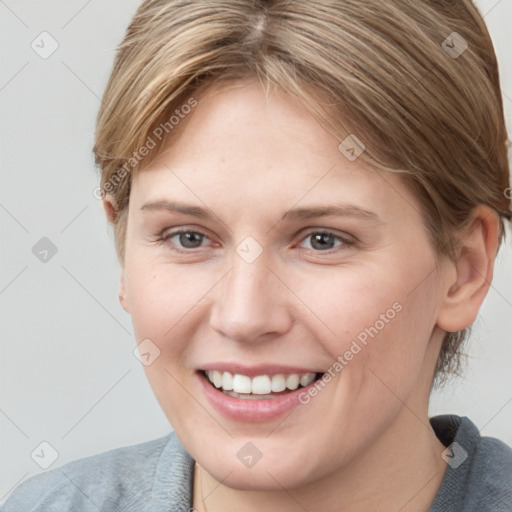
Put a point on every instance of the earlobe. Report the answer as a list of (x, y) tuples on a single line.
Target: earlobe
[(467, 287), (122, 294), (110, 207)]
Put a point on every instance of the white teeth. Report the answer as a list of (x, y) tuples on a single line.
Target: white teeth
[(278, 383), (292, 381), (217, 378), (260, 385), (227, 381), (307, 379), (241, 383)]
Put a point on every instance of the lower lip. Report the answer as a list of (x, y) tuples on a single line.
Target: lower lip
[(240, 409)]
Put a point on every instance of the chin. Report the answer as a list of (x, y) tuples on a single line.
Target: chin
[(262, 478), (282, 466)]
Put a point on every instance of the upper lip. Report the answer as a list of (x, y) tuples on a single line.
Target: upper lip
[(254, 371)]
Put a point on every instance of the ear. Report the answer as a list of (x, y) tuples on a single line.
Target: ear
[(469, 281), (110, 207), (122, 293)]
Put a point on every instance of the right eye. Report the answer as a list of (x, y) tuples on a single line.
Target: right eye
[(184, 239)]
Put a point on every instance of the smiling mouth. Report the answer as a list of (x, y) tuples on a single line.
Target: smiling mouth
[(259, 387)]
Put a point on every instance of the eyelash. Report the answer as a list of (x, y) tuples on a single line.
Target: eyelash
[(344, 241), (165, 238)]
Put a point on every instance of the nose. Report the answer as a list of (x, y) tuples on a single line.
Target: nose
[(250, 304)]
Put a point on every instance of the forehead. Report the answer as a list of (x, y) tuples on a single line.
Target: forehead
[(241, 148)]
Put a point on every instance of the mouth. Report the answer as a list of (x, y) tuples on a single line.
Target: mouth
[(259, 387), (256, 394)]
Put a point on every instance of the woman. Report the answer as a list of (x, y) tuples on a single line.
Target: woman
[(307, 200)]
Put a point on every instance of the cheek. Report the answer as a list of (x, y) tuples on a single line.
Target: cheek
[(162, 297), (165, 307), (381, 334), (378, 326), (352, 304)]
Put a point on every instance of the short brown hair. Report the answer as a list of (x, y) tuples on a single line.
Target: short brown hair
[(417, 81)]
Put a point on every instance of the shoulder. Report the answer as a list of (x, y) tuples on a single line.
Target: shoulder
[(491, 472), (119, 479), (479, 472)]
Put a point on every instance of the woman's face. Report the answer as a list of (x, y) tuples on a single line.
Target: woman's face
[(296, 259)]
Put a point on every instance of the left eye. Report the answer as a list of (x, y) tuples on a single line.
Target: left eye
[(323, 241), (187, 239)]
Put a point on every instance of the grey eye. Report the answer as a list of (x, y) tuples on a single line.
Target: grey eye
[(323, 241), (190, 239)]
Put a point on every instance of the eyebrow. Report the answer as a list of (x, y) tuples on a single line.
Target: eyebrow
[(323, 211), (174, 206), (343, 210)]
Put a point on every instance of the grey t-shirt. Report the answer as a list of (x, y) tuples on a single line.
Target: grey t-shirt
[(157, 476)]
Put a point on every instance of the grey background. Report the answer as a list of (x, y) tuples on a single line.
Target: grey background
[(68, 374)]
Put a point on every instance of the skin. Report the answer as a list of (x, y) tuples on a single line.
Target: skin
[(364, 442)]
